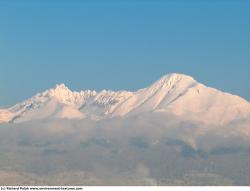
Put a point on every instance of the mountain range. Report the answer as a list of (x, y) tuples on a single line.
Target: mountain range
[(176, 94), (177, 131)]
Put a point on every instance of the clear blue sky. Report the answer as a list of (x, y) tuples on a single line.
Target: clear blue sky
[(122, 44)]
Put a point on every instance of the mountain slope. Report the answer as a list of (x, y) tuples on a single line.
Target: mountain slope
[(177, 94), (185, 97)]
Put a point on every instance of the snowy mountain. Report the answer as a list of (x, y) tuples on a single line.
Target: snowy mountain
[(175, 94), (174, 131), (185, 97)]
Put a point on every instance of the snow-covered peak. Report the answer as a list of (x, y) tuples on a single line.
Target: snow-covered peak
[(60, 91), (166, 89), (183, 96), (61, 88), (61, 97), (175, 77), (172, 80), (64, 95)]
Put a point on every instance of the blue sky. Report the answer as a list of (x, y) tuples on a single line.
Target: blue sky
[(122, 44)]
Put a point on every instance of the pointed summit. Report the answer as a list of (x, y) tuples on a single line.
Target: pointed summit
[(61, 92), (171, 82), (173, 79), (176, 76), (61, 87), (164, 91)]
